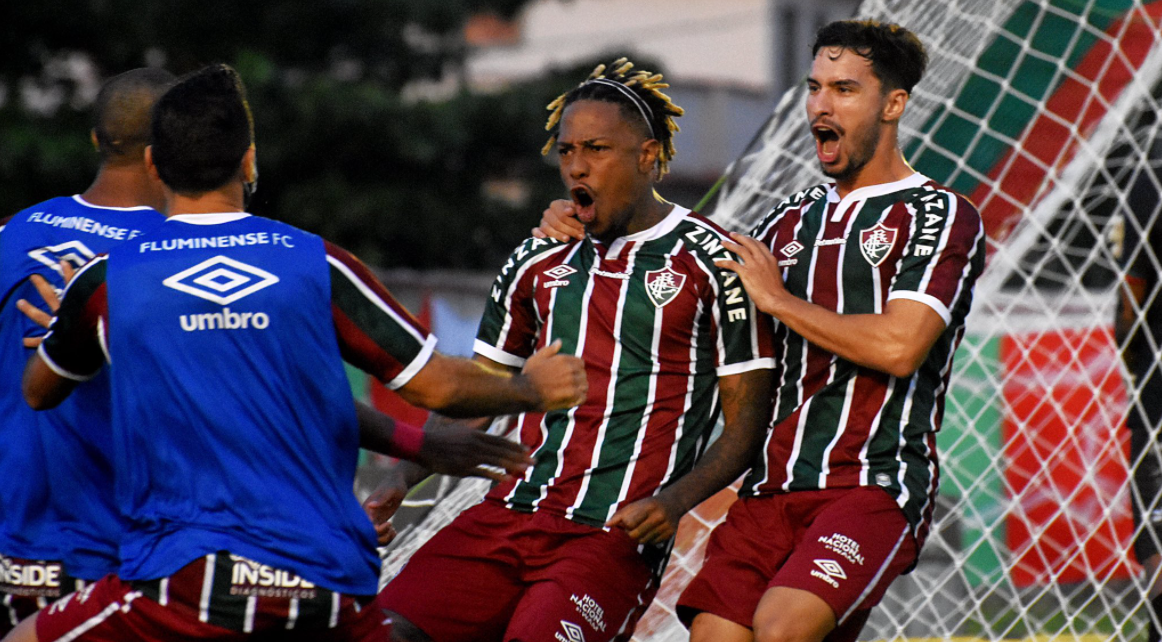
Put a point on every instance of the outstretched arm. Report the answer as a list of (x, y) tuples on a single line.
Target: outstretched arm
[(465, 388), (894, 342), (746, 408), (449, 448)]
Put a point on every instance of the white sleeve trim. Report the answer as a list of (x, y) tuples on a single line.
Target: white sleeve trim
[(764, 363), (926, 299), (52, 365), (496, 354), (416, 365)]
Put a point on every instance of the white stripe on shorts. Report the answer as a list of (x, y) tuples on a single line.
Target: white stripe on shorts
[(91, 622), (11, 611), (207, 586), (875, 580), (292, 613), (334, 611), (251, 605)]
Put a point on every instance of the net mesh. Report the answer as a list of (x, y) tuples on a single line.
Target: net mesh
[(1042, 112)]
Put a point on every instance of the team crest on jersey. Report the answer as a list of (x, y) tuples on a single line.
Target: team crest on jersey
[(876, 243), (663, 285), (74, 252), (558, 276)]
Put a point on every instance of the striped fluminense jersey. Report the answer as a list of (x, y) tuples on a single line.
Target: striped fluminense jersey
[(836, 424), (657, 322)]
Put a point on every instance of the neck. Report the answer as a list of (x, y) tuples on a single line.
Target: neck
[(124, 185), (227, 198), (887, 165), (648, 212)]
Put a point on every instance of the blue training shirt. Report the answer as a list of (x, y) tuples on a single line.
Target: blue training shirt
[(234, 421), (58, 501)]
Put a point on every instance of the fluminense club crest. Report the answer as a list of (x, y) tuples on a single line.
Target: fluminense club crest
[(663, 285), (876, 243)]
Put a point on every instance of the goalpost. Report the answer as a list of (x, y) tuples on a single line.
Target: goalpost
[(1041, 112)]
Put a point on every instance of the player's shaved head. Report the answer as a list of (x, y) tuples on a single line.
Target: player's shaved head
[(123, 110)]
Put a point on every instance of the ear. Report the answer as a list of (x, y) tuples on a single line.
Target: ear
[(648, 156), (894, 105), (250, 165), (149, 166), (93, 140)]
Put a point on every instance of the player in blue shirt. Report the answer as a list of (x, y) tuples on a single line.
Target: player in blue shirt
[(58, 523), (234, 432)]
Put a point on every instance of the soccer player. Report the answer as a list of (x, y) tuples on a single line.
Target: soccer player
[(235, 436), (1139, 332), (870, 278), (59, 526), (574, 549)]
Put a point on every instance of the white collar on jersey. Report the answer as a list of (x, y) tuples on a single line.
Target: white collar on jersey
[(82, 201), (657, 230), (871, 191), (208, 219)]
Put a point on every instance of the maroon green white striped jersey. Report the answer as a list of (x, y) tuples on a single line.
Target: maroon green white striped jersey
[(657, 322), (837, 424)]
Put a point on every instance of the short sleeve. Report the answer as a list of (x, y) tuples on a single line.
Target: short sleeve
[(945, 249), (74, 347), (509, 326), (376, 334)]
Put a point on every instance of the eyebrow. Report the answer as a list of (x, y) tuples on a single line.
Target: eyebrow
[(590, 141), (843, 82)]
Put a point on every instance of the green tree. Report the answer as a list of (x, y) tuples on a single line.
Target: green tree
[(453, 182)]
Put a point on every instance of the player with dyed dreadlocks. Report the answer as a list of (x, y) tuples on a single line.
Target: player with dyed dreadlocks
[(574, 549)]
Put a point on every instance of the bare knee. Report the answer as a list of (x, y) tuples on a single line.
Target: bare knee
[(792, 615), (404, 631)]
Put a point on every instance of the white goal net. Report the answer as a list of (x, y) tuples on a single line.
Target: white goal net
[(1041, 112)]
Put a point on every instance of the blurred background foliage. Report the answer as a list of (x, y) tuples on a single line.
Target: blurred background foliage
[(367, 132)]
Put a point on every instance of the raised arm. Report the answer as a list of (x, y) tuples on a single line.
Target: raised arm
[(894, 342), (465, 388)]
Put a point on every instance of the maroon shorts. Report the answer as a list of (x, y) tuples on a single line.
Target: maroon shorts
[(216, 597), (26, 586), (499, 574), (844, 545)]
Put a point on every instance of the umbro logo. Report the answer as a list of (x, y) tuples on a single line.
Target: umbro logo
[(830, 572), (221, 280), (74, 252), (573, 633), (558, 276), (791, 249)]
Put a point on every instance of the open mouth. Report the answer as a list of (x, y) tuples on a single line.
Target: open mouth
[(826, 143), (584, 201)]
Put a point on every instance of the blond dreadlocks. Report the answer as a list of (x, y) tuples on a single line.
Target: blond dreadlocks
[(641, 89)]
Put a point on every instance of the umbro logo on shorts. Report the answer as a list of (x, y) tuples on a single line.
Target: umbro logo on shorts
[(830, 572), (221, 280), (573, 633)]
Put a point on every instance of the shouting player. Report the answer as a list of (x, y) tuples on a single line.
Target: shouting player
[(870, 278), (235, 435), (574, 549)]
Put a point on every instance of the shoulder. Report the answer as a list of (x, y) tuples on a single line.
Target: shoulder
[(532, 251), (934, 195), (57, 204), (795, 202), (701, 236)]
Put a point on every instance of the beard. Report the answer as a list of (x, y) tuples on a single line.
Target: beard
[(863, 149)]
